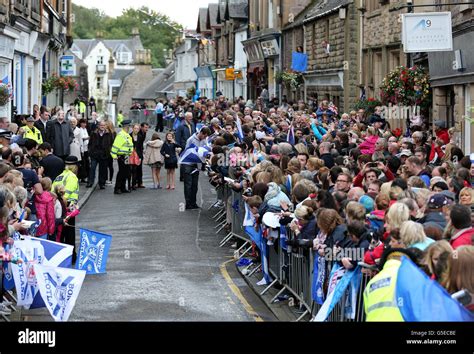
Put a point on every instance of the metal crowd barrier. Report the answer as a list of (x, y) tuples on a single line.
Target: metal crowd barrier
[(291, 269), (148, 116)]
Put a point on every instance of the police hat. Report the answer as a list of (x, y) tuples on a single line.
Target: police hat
[(71, 160), (5, 134), (126, 122), (30, 119)]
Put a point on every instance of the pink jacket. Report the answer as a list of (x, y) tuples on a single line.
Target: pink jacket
[(368, 146), (45, 212)]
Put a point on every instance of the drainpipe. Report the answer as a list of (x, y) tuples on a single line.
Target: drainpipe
[(361, 48)]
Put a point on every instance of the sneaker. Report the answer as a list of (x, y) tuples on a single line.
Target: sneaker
[(219, 204), (7, 303), (108, 182), (4, 310), (270, 243), (234, 245), (262, 282)]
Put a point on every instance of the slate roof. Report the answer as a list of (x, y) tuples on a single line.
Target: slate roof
[(162, 83), (326, 7), (212, 15), (238, 8), (202, 21), (86, 45)]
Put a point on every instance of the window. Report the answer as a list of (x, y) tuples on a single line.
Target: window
[(100, 60), (124, 57), (372, 5), (99, 83), (35, 6), (394, 59)]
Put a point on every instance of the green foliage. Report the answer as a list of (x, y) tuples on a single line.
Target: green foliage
[(292, 80), (368, 105), (157, 32)]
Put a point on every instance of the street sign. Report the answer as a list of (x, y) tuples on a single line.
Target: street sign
[(68, 65), (427, 32)]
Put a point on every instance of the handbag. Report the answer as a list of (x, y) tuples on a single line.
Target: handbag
[(134, 159)]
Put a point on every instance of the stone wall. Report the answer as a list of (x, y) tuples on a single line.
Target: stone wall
[(132, 84), (343, 38)]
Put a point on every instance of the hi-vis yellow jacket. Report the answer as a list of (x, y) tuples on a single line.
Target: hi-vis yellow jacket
[(380, 299)]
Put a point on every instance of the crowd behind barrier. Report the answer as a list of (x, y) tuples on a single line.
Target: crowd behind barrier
[(148, 116), (291, 269)]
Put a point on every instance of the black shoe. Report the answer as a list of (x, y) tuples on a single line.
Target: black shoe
[(193, 207), (102, 187), (89, 186), (126, 191), (118, 192)]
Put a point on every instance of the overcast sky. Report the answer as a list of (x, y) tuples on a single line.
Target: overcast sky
[(184, 12)]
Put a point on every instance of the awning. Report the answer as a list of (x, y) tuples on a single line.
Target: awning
[(204, 71)]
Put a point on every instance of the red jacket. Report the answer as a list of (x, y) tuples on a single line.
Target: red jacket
[(45, 212), (357, 182), (462, 238)]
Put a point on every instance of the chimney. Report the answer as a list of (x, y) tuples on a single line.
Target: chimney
[(111, 65), (99, 34), (135, 32)]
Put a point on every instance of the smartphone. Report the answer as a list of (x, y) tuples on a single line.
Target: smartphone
[(372, 164)]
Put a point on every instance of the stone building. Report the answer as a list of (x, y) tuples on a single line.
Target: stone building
[(206, 55), (292, 38), (332, 44), (452, 77)]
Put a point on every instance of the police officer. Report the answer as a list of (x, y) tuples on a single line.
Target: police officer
[(121, 150), (380, 297), (71, 186), (69, 180), (31, 132)]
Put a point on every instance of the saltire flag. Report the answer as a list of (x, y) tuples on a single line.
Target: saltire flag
[(176, 124), (199, 126), (363, 96), (421, 299), (194, 154), (170, 116), (93, 252), (319, 274), (239, 129), (256, 235), (36, 251), (339, 280), (59, 287), (5, 80), (299, 62), (283, 238), (351, 294), (291, 136), (8, 282)]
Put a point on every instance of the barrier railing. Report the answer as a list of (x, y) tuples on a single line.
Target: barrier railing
[(292, 269), (148, 116)]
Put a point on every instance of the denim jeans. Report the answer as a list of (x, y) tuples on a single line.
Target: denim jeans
[(102, 171)]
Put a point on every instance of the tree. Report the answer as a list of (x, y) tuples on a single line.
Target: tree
[(157, 31)]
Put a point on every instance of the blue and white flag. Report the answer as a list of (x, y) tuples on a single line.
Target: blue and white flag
[(36, 251), (420, 298), (177, 123), (93, 252), (351, 294), (249, 219), (299, 62), (194, 154), (339, 280), (291, 136), (319, 274), (59, 288), (23, 274), (283, 238), (257, 237), (239, 129)]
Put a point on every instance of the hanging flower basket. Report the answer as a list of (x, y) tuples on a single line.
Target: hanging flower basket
[(5, 95), (291, 80), (408, 87), (55, 82)]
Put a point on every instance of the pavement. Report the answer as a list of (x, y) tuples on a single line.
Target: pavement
[(164, 263)]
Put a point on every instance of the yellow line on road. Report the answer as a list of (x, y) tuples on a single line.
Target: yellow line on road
[(237, 292)]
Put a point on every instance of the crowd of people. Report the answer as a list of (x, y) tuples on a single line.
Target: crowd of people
[(342, 181)]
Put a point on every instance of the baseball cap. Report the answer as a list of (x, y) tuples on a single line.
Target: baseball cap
[(438, 201)]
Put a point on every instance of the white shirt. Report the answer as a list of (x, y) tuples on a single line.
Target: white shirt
[(85, 139)]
